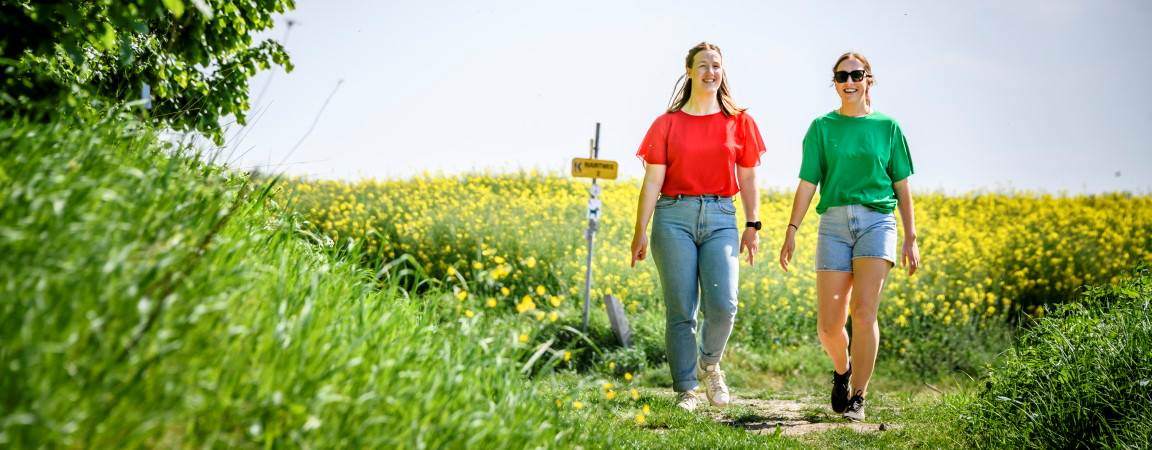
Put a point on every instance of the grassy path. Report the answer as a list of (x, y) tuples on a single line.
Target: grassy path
[(787, 417)]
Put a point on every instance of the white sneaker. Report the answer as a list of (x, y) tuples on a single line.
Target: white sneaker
[(714, 385), (688, 400)]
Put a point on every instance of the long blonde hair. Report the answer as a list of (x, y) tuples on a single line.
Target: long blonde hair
[(867, 72), (684, 92)]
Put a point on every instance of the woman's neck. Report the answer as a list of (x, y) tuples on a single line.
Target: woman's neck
[(855, 109), (701, 105)]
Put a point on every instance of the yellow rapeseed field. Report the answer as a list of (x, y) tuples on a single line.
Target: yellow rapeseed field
[(516, 243)]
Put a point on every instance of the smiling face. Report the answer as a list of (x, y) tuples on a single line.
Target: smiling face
[(706, 72), (852, 90)]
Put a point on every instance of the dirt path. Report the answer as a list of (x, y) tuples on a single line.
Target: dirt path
[(788, 417)]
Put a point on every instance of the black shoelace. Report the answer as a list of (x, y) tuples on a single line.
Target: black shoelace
[(857, 401)]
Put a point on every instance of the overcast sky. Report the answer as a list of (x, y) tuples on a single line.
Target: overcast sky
[(1052, 96)]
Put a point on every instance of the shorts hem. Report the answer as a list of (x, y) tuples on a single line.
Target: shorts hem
[(890, 260)]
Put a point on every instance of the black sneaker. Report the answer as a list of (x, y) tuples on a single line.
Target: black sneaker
[(855, 410), (840, 390)]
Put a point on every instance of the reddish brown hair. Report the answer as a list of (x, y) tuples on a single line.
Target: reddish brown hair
[(727, 105)]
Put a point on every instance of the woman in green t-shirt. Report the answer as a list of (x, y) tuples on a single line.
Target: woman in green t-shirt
[(859, 159)]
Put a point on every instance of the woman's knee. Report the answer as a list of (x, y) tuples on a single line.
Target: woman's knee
[(863, 319), (725, 308), (829, 328)]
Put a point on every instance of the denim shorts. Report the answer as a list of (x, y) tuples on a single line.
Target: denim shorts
[(854, 231)]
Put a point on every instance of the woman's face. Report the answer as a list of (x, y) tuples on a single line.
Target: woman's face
[(706, 72), (850, 90)]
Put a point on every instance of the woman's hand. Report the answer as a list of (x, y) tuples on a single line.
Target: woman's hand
[(787, 248), (639, 247), (911, 255), (751, 241)]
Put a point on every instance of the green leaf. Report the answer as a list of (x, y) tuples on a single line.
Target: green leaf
[(108, 39), (175, 6), (203, 8)]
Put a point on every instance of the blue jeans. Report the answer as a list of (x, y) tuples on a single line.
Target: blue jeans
[(696, 248), (854, 231)]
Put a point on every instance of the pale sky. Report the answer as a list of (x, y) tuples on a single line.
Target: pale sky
[(1052, 96)]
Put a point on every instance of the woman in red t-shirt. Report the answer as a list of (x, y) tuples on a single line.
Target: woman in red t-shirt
[(698, 155)]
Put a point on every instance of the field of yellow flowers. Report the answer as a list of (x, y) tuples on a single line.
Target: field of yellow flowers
[(515, 244)]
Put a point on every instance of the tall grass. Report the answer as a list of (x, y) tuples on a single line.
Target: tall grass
[(1080, 377), (154, 300)]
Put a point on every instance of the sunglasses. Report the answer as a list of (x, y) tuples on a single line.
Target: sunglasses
[(857, 75)]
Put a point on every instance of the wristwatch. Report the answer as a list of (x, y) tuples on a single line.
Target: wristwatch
[(755, 225)]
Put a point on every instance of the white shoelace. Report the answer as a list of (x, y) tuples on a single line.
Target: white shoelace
[(716, 381)]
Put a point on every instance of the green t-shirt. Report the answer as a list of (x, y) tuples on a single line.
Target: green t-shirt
[(855, 160)]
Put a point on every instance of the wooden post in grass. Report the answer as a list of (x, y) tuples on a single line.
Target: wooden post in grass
[(618, 320), (595, 169)]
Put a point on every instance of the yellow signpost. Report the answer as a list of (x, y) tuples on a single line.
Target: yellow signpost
[(594, 168)]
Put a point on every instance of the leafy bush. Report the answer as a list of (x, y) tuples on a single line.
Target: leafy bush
[(1080, 377), (195, 57)]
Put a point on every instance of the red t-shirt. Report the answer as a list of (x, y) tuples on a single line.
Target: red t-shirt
[(701, 151)]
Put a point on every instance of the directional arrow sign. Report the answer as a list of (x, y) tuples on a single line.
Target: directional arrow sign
[(594, 168)]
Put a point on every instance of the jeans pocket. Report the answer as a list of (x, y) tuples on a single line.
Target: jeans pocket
[(666, 202), (727, 206)]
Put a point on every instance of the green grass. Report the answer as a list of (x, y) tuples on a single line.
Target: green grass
[(154, 300), (1080, 377)]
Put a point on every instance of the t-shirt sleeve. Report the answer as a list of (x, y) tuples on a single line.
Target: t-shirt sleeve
[(812, 164), (900, 163), (654, 148), (753, 145)]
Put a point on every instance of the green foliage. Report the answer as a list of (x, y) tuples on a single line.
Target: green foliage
[(195, 57), (1078, 378), (153, 300)]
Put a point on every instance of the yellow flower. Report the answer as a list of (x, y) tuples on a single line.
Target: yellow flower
[(612, 365), (567, 356), (491, 303), (462, 295), (555, 301), (530, 262), (647, 410), (504, 291), (635, 394), (498, 259), (607, 386), (523, 338), (610, 395), (541, 291), (577, 404), (627, 376), (477, 265), (468, 313), (526, 304), (639, 419), (552, 316)]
